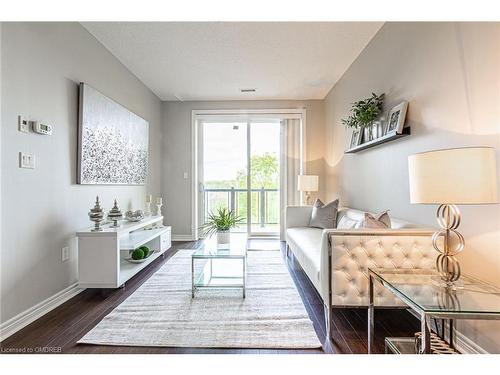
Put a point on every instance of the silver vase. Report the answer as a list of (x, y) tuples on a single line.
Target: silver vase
[(96, 215)]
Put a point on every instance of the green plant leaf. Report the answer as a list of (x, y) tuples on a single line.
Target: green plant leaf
[(220, 221), (364, 112)]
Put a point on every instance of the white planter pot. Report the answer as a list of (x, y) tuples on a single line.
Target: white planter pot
[(223, 237), (367, 134)]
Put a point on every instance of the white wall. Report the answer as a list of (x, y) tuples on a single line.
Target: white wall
[(450, 74), (177, 150), (1, 169), (42, 64)]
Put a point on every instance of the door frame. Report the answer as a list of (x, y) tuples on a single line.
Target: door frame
[(238, 114)]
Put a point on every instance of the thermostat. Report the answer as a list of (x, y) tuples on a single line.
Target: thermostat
[(40, 128)]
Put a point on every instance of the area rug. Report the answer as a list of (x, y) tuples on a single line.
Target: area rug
[(162, 313), (263, 245)]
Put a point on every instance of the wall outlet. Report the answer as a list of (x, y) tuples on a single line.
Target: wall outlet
[(65, 254), (26, 160), (23, 124)]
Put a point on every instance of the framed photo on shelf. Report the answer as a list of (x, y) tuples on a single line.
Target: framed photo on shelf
[(355, 138), (396, 119)]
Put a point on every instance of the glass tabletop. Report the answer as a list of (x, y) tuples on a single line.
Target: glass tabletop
[(400, 345), (236, 248), (420, 288)]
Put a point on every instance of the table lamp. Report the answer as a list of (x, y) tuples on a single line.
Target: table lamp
[(307, 184), (449, 177)]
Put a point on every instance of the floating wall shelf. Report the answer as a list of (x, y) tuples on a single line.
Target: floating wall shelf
[(384, 139)]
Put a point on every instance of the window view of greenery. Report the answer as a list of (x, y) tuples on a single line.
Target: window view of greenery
[(225, 171), (264, 181)]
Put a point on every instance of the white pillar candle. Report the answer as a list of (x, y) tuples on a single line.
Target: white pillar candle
[(159, 200), (149, 197)]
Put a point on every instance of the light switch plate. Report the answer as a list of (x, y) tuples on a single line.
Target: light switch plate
[(26, 160), (185, 175), (23, 124)]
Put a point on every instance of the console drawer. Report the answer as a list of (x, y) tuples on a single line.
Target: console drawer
[(166, 240)]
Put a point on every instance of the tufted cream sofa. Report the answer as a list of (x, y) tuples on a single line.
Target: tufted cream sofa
[(343, 256)]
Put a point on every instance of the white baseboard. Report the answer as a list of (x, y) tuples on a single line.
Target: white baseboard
[(182, 237), (21, 320), (466, 345)]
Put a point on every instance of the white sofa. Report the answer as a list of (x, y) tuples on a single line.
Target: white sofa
[(343, 256)]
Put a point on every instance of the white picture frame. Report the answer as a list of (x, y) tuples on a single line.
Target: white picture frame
[(396, 119), (355, 138)]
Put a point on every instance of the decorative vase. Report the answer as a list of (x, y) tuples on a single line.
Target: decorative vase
[(380, 128), (134, 216), (367, 133), (223, 237), (115, 214), (376, 129), (372, 131), (96, 215)]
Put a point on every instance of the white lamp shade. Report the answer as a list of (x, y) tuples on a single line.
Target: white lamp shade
[(307, 183), (453, 176)]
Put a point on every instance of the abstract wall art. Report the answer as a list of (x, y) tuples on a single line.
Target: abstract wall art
[(112, 142)]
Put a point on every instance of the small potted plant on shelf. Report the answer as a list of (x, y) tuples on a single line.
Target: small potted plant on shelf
[(363, 114), (220, 223)]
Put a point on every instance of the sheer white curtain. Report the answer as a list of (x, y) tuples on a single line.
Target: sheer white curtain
[(291, 166)]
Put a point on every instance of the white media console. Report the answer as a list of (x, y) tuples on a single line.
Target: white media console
[(101, 255)]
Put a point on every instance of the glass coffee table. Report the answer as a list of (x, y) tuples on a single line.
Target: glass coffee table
[(418, 290), (220, 266)]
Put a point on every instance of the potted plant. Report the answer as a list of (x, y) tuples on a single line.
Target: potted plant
[(363, 113), (220, 223)]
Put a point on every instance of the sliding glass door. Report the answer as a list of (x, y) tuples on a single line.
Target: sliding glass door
[(264, 181), (238, 168)]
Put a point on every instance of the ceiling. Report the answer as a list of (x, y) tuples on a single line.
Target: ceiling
[(215, 60)]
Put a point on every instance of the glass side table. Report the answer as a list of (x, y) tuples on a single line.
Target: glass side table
[(399, 345), (477, 300), (224, 265)]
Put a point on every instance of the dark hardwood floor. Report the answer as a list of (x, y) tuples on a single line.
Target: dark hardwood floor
[(59, 330)]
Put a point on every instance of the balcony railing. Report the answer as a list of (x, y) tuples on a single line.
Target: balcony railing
[(264, 208)]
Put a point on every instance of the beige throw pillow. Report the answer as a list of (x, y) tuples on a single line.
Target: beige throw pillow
[(381, 221)]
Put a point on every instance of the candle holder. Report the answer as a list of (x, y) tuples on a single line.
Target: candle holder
[(147, 212), (96, 215), (158, 209)]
